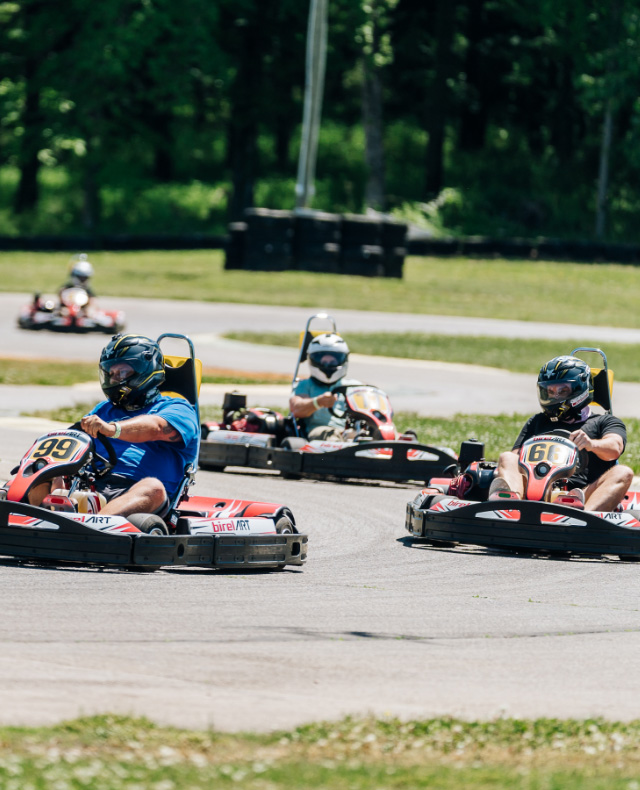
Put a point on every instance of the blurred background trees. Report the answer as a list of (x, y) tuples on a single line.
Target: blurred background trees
[(469, 117)]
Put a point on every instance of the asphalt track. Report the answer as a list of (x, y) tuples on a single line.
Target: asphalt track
[(372, 624)]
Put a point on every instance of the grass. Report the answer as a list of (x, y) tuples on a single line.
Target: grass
[(497, 432), (119, 753), (49, 372), (604, 295), (519, 356)]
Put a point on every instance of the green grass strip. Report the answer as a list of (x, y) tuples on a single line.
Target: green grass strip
[(518, 356), (118, 753), (65, 374), (522, 289)]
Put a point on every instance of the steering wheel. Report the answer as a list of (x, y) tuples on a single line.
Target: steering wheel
[(108, 461)]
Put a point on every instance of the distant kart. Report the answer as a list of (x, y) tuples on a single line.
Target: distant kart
[(201, 531), (373, 449), (69, 312), (547, 519)]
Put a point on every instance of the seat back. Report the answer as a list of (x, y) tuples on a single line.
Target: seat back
[(183, 376), (602, 379)]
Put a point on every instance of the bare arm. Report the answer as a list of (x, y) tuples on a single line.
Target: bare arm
[(305, 407), (145, 428), (609, 448)]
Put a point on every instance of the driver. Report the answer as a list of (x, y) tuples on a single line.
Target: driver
[(311, 398), (565, 390), (154, 436), (79, 275)]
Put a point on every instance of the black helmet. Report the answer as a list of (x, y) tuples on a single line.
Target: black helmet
[(131, 370), (565, 387)]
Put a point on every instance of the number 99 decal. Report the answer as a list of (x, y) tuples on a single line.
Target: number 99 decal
[(57, 447)]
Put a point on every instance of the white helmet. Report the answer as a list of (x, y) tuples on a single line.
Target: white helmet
[(81, 268), (328, 358)]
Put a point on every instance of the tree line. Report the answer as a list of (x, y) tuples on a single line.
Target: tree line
[(501, 116)]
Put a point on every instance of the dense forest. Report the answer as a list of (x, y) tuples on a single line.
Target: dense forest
[(468, 117)]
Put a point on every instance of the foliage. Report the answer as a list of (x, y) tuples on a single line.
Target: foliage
[(156, 116)]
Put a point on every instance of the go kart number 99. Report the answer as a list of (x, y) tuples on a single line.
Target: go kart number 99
[(551, 452), (58, 448)]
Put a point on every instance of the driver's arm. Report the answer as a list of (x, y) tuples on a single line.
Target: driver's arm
[(610, 447), (144, 428), (305, 407)]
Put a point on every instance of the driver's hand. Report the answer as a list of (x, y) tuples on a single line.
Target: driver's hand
[(93, 425), (326, 400), (581, 440)]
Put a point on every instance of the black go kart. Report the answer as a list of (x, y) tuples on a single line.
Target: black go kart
[(547, 519), (372, 449), (210, 532)]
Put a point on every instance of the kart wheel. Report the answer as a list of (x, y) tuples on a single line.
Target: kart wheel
[(293, 443), (149, 523), (629, 557), (284, 526)]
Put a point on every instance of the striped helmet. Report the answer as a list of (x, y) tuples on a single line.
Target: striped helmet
[(131, 371)]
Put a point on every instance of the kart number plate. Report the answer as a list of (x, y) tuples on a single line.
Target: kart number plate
[(59, 448), (551, 452)]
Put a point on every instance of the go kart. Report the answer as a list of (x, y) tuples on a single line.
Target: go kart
[(198, 531), (70, 312), (372, 447), (547, 519)]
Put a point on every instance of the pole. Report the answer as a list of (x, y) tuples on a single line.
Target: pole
[(315, 64)]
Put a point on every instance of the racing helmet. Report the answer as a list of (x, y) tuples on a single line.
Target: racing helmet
[(328, 358), (565, 387), (131, 371), (81, 270)]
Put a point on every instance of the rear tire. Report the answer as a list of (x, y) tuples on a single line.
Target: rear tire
[(149, 523), (284, 526), (293, 443)]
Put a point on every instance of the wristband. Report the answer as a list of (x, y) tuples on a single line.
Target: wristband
[(118, 428), (315, 403)]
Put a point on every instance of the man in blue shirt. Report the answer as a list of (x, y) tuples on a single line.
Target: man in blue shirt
[(154, 436)]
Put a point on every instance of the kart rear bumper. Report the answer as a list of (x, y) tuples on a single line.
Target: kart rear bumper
[(529, 526), (346, 462), (55, 537)]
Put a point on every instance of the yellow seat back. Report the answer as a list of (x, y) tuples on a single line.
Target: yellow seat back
[(602, 387), (183, 376)]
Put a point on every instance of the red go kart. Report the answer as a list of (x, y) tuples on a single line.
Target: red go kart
[(198, 531)]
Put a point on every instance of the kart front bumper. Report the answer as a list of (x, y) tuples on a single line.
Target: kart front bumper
[(54, 537), (528, 526)]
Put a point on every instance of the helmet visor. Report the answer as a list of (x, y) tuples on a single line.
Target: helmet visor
[(328, 360), (115, 372), (553, 392)]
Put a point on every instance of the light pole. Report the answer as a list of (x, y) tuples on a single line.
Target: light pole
[(315, 63)]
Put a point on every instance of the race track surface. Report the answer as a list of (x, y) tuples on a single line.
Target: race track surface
[(372, 624)]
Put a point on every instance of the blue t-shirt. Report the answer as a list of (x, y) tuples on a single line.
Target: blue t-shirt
[(163, 460), (310, 388)]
